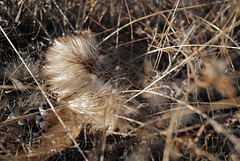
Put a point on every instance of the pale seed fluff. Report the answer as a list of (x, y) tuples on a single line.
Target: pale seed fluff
[(73, 74)]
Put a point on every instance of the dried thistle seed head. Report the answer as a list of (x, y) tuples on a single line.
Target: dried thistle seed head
[(68, 63), (71, 71), (12, 69)]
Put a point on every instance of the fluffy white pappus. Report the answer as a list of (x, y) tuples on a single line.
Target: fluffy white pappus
[(66, 63), (14, 70), (72, 73)]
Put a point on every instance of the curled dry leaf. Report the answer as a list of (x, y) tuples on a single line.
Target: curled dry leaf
[(224, 86), (214, 75)]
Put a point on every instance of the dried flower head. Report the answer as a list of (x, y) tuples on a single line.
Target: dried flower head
[(72, 74), (12, 69)]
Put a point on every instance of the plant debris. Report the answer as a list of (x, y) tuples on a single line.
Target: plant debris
[(119, 80)]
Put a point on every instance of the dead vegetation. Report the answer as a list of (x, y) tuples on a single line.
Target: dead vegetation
[(171, 66)]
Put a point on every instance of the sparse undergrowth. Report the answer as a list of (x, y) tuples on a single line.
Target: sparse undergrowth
[(171, 66)]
